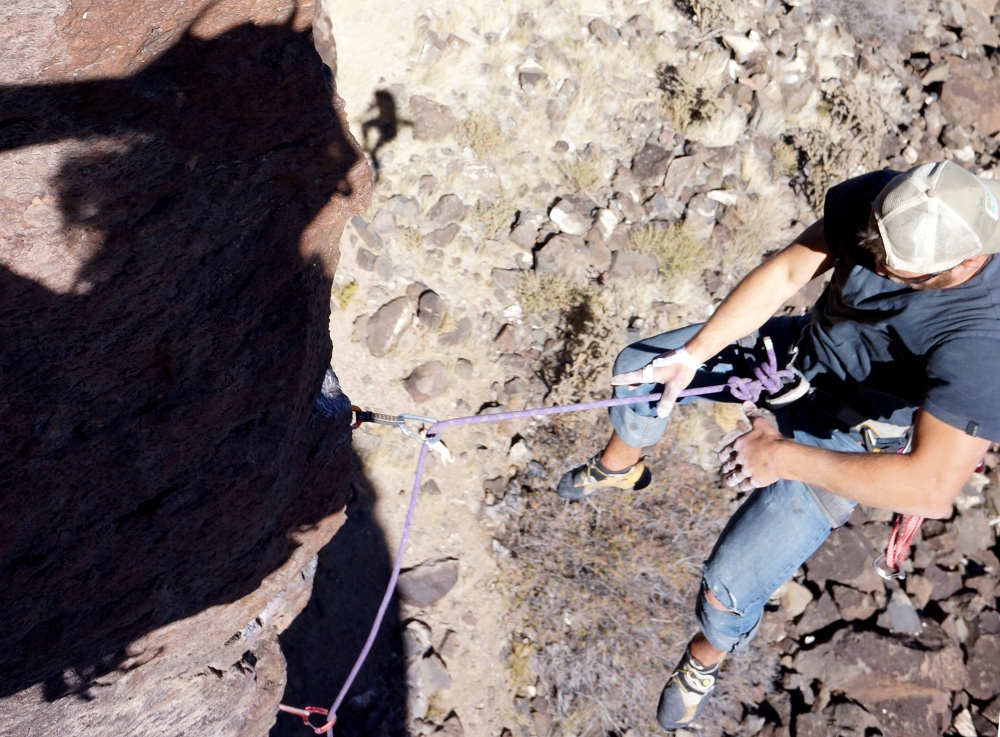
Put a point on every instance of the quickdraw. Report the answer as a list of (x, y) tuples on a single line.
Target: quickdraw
[(400, 421)]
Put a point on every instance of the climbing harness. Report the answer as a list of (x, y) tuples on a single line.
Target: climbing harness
[(768, 378)]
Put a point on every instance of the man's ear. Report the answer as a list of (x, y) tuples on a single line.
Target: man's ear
[(975, 263)]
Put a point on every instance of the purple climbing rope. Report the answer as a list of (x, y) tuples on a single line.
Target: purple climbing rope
[(768, 377)]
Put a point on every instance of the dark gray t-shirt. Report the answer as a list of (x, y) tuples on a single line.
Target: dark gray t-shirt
[(886, 349)]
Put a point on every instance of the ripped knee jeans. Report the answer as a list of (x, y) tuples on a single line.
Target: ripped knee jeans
[(774, 531)]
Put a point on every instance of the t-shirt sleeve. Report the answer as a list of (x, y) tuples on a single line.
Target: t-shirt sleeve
[(959, 374), (848, 207)]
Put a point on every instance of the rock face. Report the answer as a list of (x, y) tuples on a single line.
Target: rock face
[(175, 179)]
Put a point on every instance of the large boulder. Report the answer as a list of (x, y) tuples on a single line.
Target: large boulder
[(174, 179)]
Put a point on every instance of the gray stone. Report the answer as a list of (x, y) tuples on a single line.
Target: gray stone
[(387, 325), (570, 256), (984, 667), (428, 380), (629, 264), (406, 209), (525, 230), (463, 329), (448, 209), (416, 641), (365, 259), (899, 616), (642, 24), (841, 557), (427, 583), (631, 210), (435, 674), (853, 604), (908, 683), (517, 386), (507, 279), (573, 214), (700, 217), (430, 311), (384, 267), (367, 232), (430, 487), (603, 32), (442, 236), (819, 614), (684, 171), (971, 98), (795, 599), (650, 165), (384, 222), (973, 532), (530, 74), (659, 207), (431, 120), (626, 184), (452, 728), (945, 583)]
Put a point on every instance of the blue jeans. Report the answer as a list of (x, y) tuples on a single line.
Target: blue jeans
[(778, 527)]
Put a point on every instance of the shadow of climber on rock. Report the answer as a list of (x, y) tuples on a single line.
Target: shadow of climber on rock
[(163, 338), (385, 124)]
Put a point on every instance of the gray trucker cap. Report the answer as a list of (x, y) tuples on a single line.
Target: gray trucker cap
[(935, 216)]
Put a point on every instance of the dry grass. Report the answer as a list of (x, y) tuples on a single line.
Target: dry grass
[(716, 15), (495, 216), (342, 296), (851, 114), (480, 131), (677, 252), (608, 587), (541, 293)]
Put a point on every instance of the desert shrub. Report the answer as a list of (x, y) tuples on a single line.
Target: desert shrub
[(888, 22), (493, 217), (581, 175), (481, 132), (677, 252), (713, 15), (687, 100), (606, 588), (755, 226), (342, 296), (848, 115), (542, 293)]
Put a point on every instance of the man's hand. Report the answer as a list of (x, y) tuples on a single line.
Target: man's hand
[(748, 462), (673, 372)]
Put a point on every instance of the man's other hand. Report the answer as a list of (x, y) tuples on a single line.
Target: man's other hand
[(748, 461)]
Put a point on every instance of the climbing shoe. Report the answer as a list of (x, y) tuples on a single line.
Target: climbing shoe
[(686, 692), (591, 477)]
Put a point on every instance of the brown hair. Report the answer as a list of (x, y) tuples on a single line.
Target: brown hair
[(870, 239)]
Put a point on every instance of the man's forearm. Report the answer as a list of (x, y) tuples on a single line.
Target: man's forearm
[(885, 480), (762, 293)]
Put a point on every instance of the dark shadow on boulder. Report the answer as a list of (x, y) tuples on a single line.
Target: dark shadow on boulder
[(158, 449), (324, 642)]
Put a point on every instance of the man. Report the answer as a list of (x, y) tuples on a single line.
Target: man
[(907, 332)]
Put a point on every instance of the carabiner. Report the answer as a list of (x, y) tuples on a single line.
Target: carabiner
[(889, 574), (416, 434)]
